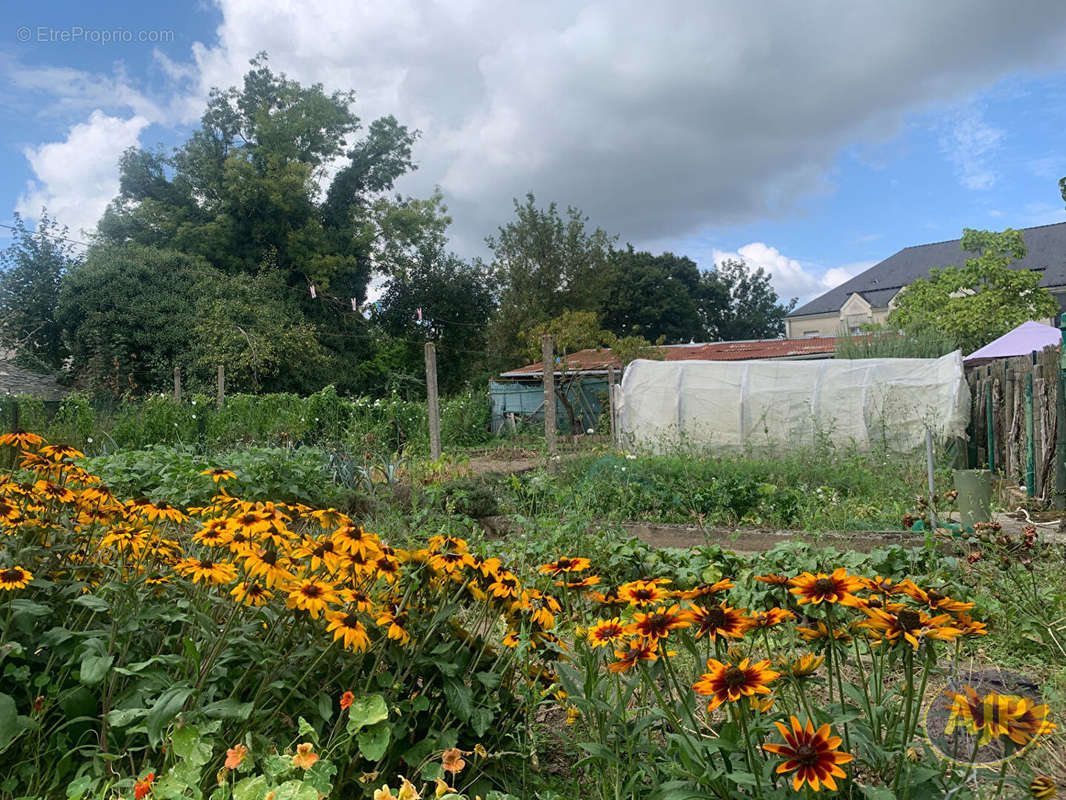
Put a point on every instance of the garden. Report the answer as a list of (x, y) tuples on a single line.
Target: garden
[(286, 598)]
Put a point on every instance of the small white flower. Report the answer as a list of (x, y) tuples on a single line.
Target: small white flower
[(623, 469), (630, 457), (89, 440), (590, 430), (194, 416)]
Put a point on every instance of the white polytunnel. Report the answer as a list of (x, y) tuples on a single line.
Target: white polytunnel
[(865, 403)]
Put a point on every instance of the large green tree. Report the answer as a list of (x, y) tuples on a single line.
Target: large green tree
[(544, 264), (652, 296), (980, 300), (253, 184), (33, 267), (737, 302)]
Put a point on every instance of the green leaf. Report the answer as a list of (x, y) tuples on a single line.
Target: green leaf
[(321, 776), (250, 788), (78, 787), (230, 708), (9, 720), (295, 790), (93, 602), (93, 669), (22, 606), (480, 720), (877, 792), (460, 698), (307, 731), (374, 741), (325, 707), (366, 711), (121, 717), (166, 707), (188, 745)]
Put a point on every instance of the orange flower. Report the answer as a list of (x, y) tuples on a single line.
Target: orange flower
[(143, 787), (720, 620), (565, 565), (451, 760), (642, 593), (768, 619), (772, 579), (305, 756), (659, 623), (838, 587), (704, 589), (346, 700), (813, 755), (235, 756), (733, 681), (639, 650), (607, 631)]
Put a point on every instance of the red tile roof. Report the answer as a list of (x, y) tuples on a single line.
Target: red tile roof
[(601, 359)]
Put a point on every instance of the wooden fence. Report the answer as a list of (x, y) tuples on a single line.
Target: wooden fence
[(1014, 419)]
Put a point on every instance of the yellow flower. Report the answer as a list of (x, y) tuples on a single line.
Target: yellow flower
[(347, 627), (251, 594), (219, 474), (407, 790), (312, 596), (14, 578), (216, 572)]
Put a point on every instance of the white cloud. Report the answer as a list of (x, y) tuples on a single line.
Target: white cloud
[(790, 277), (658, 120), (969, 142), (77, 177)]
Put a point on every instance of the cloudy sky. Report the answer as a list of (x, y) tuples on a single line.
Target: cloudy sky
[(811, 138)]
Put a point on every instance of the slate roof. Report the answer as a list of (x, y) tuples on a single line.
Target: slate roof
[(16, 380), (599, 360), (879, 284)]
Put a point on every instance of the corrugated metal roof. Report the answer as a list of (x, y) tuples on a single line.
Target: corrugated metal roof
[(599, 360), (1046, 245)]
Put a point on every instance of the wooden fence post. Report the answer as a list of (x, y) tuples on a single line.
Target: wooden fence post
[(610, 402), (1058, 500), (433, 401), (221, 385), (1030, 444), (990, 425), (177, 384), (547, 357)]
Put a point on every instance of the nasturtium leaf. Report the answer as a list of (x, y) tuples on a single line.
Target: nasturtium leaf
[(295, 790), (374, 741), (321, 776), (188, 744), (250, 788), (307, 731), (366, 711)]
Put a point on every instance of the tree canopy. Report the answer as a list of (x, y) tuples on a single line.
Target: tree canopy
[(979, 301)]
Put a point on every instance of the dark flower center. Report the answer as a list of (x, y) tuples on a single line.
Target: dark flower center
[(909, 619), (351, 621), (564, 563), (270, 557), (206, 564), (11, 575), (875, 602), (825, 586), (716, 618), (313, 591), (935, 596), (734, 676), (657, 623), (644, 594), (806, 755)]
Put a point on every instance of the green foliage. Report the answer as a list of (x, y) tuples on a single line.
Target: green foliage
[(880, 341), (34, 264), (652, 296), (173, 474), (979, 301), (737, 302), (544, 265)]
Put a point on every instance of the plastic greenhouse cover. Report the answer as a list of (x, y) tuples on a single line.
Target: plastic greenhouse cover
[(868, 403)]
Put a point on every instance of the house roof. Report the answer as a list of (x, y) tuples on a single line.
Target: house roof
[(1046, 246), (598, 360), (16, 380)]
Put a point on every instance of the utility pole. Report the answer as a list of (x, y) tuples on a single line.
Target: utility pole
[(177, 384), (433, 401), (547, 357)]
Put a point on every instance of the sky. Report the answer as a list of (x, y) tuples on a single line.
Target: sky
[(812, 139)]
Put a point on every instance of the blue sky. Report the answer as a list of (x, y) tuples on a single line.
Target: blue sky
[(813, 145)]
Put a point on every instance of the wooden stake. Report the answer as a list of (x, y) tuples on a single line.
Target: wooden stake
[(610, 402), (221, 385), (177, 384), (547, 357), (433, 401)]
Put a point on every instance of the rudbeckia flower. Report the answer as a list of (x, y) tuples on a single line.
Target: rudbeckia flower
[(731, 682), (347, 628), (837, 587), (15, 578), (811, 754)]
